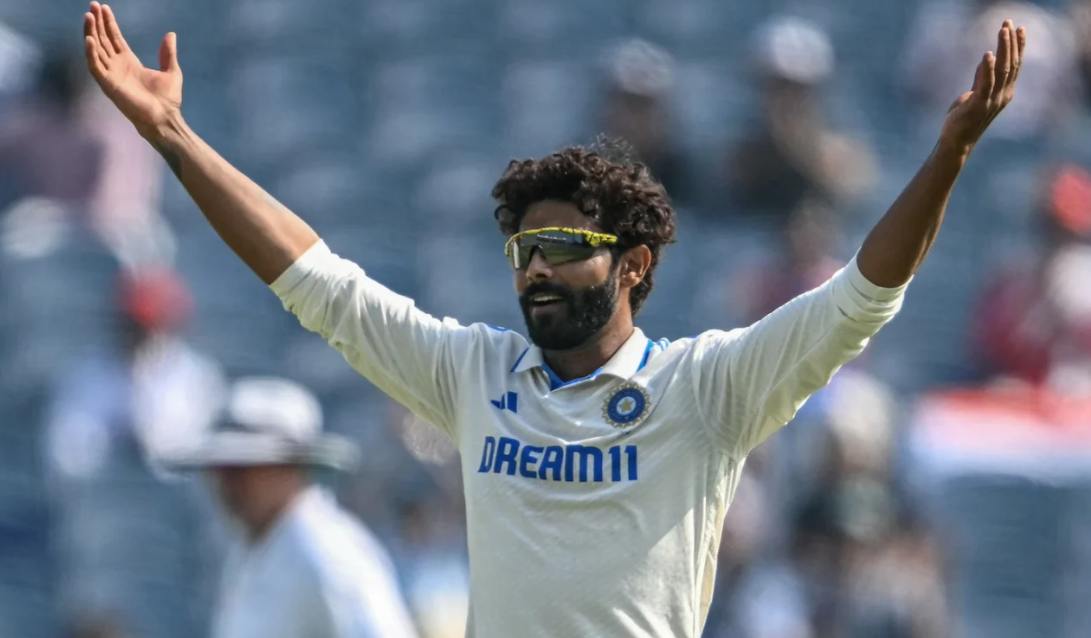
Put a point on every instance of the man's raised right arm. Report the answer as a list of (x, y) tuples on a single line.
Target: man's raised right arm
[(266, 236), (260, 230), (413, 357)]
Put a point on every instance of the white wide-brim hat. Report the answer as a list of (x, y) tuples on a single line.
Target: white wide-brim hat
[(794, 49), (268, 421)]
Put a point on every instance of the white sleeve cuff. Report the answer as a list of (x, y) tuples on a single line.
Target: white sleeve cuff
[(307, 263), (869, 290)]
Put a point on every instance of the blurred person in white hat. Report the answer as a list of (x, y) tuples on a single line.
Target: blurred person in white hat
[(792, 154), (636, 109), (303, 567)]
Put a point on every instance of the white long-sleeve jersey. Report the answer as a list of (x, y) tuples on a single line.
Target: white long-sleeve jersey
[(595, 506)]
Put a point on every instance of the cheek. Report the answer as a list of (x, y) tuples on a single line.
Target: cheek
[(584, 274)]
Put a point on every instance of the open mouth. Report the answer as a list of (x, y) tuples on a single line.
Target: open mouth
[(545, 300)]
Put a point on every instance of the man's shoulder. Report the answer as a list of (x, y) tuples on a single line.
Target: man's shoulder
[(332, 545), (705, 338), (709, 347), (494, 344)]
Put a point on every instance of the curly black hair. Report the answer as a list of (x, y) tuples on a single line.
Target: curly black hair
[(619, 195)]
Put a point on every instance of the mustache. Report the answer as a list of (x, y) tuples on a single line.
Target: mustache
[(546, 288)]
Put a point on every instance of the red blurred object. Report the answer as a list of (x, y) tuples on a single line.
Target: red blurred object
[(1026, 323), (1014, 329), (1010, 429), (1070, 200), (156, 299)]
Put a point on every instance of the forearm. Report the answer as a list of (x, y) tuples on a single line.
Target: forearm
[(263, 233), (897, 245)]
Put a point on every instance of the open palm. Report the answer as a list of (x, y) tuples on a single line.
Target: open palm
[(993, 89), (146, 96)]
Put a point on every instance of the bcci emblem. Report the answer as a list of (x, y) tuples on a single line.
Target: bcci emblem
[(626, 407)]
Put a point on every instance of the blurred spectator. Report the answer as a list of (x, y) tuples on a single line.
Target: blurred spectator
[(154, 388), (792, 154), (785, 568), (1034, 322), (636, 109), (46, 149), (845, 528), (127, 540), (945, 46), (125, 205), (864, 560), (850, 499), (70, 145), (895, 585), (809, 240)]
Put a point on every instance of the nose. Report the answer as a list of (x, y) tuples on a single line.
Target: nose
[(538, 269)]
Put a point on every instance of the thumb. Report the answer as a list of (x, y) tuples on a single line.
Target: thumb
[(168, 54)]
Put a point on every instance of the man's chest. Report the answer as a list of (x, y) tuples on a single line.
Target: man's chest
[(630, 440)]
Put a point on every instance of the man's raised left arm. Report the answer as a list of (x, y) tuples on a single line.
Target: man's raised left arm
[(750, 382), (897, 245)]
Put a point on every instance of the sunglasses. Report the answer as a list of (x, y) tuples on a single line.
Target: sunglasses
[(557, 245)]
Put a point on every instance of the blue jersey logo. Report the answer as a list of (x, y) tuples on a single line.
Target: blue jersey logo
[(626, 406), (572, 463), (509, 401)]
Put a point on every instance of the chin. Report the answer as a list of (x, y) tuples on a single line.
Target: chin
[(544, 338), (556, 337)]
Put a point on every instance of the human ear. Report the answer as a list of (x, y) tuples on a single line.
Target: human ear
[(634, 264)]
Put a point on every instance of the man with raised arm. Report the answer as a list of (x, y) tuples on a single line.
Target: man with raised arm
[(598, 464)]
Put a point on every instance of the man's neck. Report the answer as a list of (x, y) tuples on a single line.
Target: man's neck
[(584, 360)]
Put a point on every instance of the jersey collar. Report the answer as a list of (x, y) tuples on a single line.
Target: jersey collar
[(627, 361)]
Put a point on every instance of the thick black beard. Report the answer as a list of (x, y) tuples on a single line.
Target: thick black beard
[(588, 312)]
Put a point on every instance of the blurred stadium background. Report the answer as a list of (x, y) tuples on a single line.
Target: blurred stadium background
[(939, 487)]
